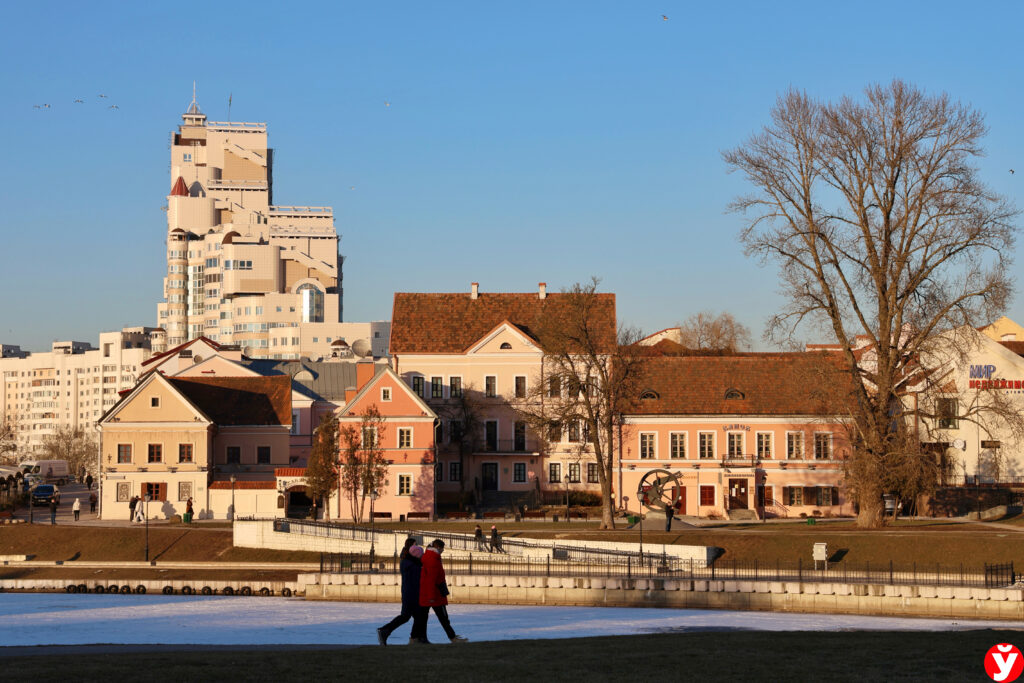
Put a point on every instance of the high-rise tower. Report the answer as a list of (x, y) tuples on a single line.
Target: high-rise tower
[(239, 267)]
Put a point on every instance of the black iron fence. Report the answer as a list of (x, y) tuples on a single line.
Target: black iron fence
[(664, 567)]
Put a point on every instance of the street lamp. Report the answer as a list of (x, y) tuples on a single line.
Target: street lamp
[(373, 535), (566, 480), (233, 480), (147, 527)]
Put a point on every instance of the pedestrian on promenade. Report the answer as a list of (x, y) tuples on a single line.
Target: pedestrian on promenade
[(140, 516), (76, 508), (132, 504), (188, 511), (53, 510), (434, 589), (410, 566), (479, 536), (496, 540), (92, 502), (88, 481)]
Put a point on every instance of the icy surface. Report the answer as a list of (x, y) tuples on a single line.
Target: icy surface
[(63, 619)]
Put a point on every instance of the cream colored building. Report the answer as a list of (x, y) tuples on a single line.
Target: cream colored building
[(240, 269), (71, 385)]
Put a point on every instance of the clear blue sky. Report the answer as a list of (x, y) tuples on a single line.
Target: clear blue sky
[(525, 141)]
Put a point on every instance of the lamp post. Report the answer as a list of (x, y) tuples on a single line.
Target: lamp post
[(373, 535), (147, 527), (566, 480), (233, 480)]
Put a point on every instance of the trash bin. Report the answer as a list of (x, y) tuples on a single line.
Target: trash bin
[(811, 520), (554, 518), (632, 519), (401, 518)]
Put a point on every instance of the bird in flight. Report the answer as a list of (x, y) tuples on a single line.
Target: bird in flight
[(103, 96), (386, 103), (79, 100), (1011, 171), (113, 106), (664, 18)]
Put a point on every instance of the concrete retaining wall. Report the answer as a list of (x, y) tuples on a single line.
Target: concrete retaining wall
[(774, 596), (152, 586)]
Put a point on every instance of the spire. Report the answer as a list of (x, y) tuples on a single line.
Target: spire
[(193, 115), (179, 190)]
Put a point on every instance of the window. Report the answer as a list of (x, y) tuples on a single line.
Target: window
[(405, 484), (312, 300), (184, 452), (369, 438), (826, 496), (706, 445), (156, 452), (592, 476), (405, 437), (574, 431), (124, 453), (491, 435), (794, 495), (455, 387), (263, 455), (234, 455), (418, 384), (947, 411), (454, 431), (677, 445), (822, 446), (574, 473), (154, 401), (520, 386), (385, 394), (519, 472), (795, 445), (647, 445), (295, 423), (155, 491), (455, 471), (764, 445), (649, 395), (554, 473), (436, 387), (707, 495), (519, 436), (439, 472), (439, 432), (735, 444), (505, 346), (554, 387), (187, 157), (555, 432), (490, 386)]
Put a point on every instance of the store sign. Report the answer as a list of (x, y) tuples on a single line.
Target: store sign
[(981, 377), (736, 428)]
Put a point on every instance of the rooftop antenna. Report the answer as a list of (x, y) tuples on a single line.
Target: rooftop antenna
[(229, 107)]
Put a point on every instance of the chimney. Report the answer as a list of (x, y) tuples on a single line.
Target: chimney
[(542, 290), (365, 370), (474, 290)]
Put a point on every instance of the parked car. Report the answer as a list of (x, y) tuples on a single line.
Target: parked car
[(44, 493)]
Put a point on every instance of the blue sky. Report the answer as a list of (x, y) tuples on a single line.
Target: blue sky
[(524, 142)]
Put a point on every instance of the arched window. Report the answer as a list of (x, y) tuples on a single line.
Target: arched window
[(649, 395), (312, 303), (733, 394), (505, 346)]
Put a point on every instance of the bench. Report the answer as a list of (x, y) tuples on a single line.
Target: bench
[(535, 514), (418, 515), (495, 515), (457, 515), (382, 515), (577, 514)]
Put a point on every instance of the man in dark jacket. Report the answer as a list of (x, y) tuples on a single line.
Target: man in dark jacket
[(53, 509), (410, 567)]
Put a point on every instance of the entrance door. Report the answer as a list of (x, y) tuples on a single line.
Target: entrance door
[(738, 494), (679, 499), (489, 474)]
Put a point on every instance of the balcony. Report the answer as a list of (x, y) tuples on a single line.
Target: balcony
[(515, 445)]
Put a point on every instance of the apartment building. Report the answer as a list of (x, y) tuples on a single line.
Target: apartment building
[(71, 385), (242, 270)]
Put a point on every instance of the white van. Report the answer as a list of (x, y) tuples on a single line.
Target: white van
[(49, 471)]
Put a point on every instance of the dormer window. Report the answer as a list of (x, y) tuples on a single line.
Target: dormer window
[(733, 395), (505, 346), (649, 395)]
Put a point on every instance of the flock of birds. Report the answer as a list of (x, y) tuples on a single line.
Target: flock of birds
[(77, 100)]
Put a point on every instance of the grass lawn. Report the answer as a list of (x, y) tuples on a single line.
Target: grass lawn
[(711, 656)]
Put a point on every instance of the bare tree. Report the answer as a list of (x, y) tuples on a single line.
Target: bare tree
[(363, 467), (464, 415), (882, 231), (74, 444), (586, 377), (322, 468), (8, 441), (707, 331)]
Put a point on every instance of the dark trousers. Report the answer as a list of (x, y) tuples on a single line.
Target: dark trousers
[(442, 615), (419, 621), (92, 507), (76, 514), (53, 516)]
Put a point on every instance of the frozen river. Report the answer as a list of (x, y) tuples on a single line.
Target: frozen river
[(63, 619)]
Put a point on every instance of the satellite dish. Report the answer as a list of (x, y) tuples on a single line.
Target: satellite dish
[(361, 347), (961, 444)]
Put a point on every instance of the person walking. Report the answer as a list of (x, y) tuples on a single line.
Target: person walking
[(410, 566), (434, 589), (140, 516), (479, 536), (92, 502), (188, 511), (88, 481), (496, 540), (53, 510), (76, 508), (132, 504)]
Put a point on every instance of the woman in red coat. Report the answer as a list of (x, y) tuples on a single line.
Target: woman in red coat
[(434, 588)]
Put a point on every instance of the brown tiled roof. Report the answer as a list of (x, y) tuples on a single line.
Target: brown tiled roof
[(451, 323), (240, 400), (179, 347), (242, 485), (769, 383), (289, 471), (1016, 347)]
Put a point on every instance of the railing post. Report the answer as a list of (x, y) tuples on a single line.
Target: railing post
[(800, 569), (890, 573), (471, 564), (629, 567)]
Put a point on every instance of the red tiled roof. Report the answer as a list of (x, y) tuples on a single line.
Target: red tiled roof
[(241, 485), (770, 384), (452, 322), (179, 347), (290, 472), (240, 400), (179, 189)]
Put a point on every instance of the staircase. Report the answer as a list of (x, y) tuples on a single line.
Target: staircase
[(505, 500), (750, 515)]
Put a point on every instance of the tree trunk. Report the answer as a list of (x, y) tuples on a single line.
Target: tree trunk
[(871, 514)]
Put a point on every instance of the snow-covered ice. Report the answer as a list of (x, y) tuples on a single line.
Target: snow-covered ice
[(63, 619)]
